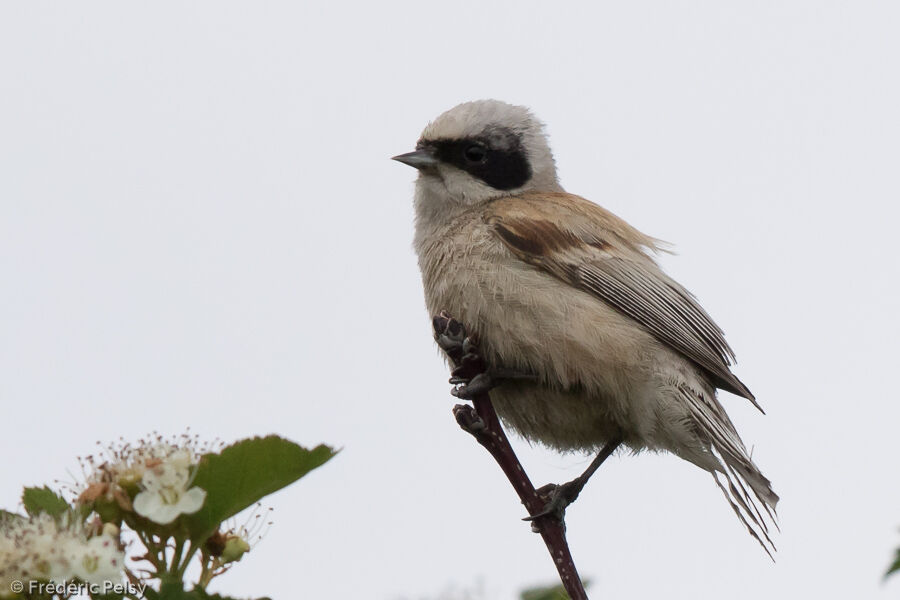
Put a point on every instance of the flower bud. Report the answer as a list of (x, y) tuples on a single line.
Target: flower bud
[(235, 549)]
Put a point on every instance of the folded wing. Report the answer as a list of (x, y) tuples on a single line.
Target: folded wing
[(593, 250)]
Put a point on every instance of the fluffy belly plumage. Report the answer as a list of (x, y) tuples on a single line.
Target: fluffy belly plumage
[(599, 373)]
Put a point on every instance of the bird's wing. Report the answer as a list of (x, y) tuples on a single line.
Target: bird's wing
[(591, 249)]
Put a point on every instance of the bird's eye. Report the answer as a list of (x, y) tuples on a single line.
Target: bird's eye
[(475, 153)]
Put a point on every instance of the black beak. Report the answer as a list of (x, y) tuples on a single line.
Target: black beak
[(420, 159)]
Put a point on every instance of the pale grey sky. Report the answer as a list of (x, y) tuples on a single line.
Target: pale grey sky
[(200, 226)]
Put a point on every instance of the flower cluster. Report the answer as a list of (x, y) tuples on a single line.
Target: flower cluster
[(58, 549), (121, 524), (151, 478)]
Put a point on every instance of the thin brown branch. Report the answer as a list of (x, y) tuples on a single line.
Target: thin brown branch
[(482, 422)]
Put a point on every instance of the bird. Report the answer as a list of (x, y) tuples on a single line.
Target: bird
[(612, 351)]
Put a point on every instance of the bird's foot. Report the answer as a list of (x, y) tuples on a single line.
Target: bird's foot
[(450, 335), (469, 387), (556, 499), (471, 375)]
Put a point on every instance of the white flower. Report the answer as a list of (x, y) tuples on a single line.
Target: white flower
[(9, 560), (120, 472), (100, 560), (166, 492), (40, 548)]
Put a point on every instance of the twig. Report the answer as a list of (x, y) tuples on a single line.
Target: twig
[(482, 422)]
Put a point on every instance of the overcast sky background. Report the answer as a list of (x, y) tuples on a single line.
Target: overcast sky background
[(200, 226)]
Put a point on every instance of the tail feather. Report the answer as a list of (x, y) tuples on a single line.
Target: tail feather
[(755, 504), (745, 469), (745, 501), (758, 532), (734, 465)]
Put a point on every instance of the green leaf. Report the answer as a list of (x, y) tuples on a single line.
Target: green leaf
[(43, 500), (555, 592), (895, 566), (245, 472)]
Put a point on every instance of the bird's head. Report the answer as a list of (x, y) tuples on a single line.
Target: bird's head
[(481, 150)]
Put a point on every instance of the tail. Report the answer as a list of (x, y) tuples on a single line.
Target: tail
[(733, 469)]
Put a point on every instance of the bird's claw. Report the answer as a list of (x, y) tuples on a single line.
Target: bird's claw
[(556, 499), (450, 335), (471, 375), (467, 389)]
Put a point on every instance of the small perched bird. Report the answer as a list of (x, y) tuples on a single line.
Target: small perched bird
[(560, 289)]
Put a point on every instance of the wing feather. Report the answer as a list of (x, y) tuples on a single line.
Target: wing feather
[(593, 250)]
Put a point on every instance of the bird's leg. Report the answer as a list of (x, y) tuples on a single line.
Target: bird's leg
[(561, 496), (471, 375)]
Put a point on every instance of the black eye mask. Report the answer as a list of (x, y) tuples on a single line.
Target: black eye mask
[(496, 157)]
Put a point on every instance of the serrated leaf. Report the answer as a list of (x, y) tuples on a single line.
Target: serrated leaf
[(43, 500), (244, 473), (895, 566)]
